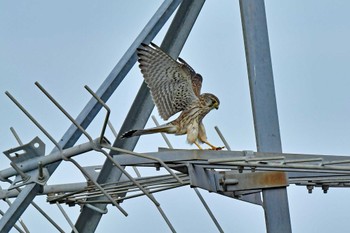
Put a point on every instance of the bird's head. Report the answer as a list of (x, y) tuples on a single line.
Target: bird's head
[(211, 101)]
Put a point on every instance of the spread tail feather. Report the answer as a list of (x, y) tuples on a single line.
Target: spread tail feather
[(159, 129)]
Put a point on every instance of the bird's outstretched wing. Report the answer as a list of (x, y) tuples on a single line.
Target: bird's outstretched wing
[(196, 79), (170, 82)]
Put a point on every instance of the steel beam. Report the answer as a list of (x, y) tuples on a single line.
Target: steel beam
[(264, 105), (260, 75), (303, 169), (234, 184), (276, 210), (143, 105), (16, 209)]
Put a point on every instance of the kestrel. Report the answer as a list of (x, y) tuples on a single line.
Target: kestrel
[(175, 87)]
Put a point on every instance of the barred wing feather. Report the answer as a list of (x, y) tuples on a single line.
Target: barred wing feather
[(170, 82)]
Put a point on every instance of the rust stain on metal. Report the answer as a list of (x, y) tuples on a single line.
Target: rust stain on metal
[(272, 179), (254, 180)]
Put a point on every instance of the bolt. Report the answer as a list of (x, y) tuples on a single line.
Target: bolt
[(325, 188), (309, 188), (230, 181), (41, 175)]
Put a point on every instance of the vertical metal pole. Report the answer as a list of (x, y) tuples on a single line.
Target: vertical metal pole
[(275, 203), (264, 106), (142, 106), (261, 83)]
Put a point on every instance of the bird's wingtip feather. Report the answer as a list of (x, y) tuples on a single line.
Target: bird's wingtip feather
[(128, 134)]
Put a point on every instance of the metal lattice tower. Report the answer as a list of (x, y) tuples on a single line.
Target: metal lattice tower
[(256, 177)]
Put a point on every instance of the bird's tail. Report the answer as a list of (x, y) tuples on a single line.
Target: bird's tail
[(159, 129)]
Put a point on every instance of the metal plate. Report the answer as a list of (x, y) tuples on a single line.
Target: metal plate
[(33, 149)]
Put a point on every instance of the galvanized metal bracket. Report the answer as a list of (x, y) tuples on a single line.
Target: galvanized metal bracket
[(202, 178), (241, 186), (34, 176), (231, 181), (33, 149)]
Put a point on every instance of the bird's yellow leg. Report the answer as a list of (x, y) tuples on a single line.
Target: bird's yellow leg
[(213, 147), (196, 143)]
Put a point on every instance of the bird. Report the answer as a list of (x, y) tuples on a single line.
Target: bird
[(175, 87)]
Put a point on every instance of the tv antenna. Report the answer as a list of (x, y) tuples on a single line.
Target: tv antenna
[(259, 177)]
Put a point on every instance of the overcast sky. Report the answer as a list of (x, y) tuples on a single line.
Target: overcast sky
[(67, 44)]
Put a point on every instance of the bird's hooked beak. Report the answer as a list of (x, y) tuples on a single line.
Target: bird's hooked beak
[(216, 106)]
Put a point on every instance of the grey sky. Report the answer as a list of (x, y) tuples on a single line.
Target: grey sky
[(65, 45)]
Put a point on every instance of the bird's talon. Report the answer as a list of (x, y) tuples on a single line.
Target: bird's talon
[(216, 148)]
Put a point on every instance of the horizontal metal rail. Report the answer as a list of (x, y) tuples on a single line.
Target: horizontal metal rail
[(153, 184), (32, 164)]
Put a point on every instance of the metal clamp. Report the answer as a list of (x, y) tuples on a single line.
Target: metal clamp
[(20, 154)]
